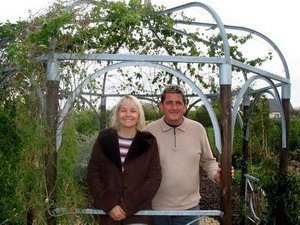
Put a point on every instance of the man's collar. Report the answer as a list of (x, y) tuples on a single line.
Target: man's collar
[(182, 126)]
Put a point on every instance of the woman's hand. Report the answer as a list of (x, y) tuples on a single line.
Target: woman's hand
[(117, 213)]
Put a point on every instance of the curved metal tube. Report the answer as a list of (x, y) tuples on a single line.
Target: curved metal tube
[(176, 73), (93, 109), (277, 97), (215, 17)]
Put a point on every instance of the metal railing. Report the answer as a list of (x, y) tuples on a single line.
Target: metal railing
[(195, 213)]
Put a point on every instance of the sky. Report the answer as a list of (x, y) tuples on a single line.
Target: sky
[(275, 19)]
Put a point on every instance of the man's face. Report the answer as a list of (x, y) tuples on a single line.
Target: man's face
[(174, 108)]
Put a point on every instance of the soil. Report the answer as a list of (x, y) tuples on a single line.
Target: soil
[(211, 195)]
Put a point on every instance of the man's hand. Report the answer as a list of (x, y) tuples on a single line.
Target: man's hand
[(217, 177), (117, 213)]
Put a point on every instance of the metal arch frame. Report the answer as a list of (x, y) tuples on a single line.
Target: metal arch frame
[(268, 40), (225, 64), (246, 102), (286, 83), (95, 111), (176, 73), (240, 28), (251, 110), (225, 76), (225, 68), (188, 5), (92, 107), (220, 25), (80, 2), (276, 95), (145, 97), (251, 31), (213, 96)]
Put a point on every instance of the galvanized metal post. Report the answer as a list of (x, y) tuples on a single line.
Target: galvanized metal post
[(226, 140)]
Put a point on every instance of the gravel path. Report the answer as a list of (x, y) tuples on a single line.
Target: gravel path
[(210, 199), (209, 221)]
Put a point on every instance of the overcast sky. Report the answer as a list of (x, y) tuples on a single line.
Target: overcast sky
[(275, 19)]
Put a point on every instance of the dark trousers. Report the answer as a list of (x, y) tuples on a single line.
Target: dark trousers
[(176, 220)]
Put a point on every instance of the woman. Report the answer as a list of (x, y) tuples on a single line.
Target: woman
[(124, 171)]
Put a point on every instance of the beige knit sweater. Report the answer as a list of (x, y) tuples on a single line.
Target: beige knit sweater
[(182, 151)]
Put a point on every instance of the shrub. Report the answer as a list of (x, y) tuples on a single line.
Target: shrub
[(9, 157), (71, 194), (280, 188)]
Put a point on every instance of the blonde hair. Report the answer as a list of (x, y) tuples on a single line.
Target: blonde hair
[(131, 100)]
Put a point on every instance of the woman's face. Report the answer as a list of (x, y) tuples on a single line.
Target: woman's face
[(128, 115)]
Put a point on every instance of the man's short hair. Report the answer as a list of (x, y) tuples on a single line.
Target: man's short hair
[(173, 88)]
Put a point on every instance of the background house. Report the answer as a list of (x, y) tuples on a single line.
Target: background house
[(274, 108)]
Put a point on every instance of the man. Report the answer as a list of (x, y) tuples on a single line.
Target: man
[(183, 148)]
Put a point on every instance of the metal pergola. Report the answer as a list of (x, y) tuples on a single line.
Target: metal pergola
[(223, 131)]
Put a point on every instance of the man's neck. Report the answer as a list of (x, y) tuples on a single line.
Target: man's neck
[(174, 125)]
